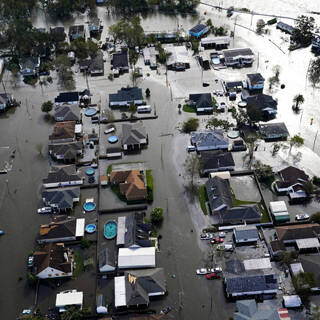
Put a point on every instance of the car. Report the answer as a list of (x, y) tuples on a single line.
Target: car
[(220, 93), (302, 216), (30, 261), (45, 210), (212, 276), (203, 271), (166, 310), (216, 270), (206, 236), (217, 240), (109, 130), (26, 311), (222, 234), (191, 148)]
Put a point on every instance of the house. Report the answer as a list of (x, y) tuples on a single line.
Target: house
[(120, 61), (69, 298), (132, 232), (248, 309), (202, 102), (290, 234), (150, 56), (178, 59), (219, 195), (67, 98), (238, 145), (104, 180), (135, 258), (209, 140), (134, 136), (68, 152), (106, 260), (285, 27), (251, 285), (84, 64), (97, 65), (238, 57), (291, 183), (131, 184), (58, 33), (315, 46), (5, 101), (94, 27), (63, 132), (67, 113), (62, 177), (255, 82), (233, 86), (29, 66), (114, 151), (216, 160), (242, 214), (61, 199), (135, 288), (245, 235), (76, 32), (274, 131), (264, 103), (279, 211), (61, 229), (53, 261), (199, 30), (126, 96), (217, 43)]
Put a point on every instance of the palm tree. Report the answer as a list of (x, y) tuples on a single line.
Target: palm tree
[(297, 100)]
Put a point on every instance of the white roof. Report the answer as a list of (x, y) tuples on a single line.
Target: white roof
[(137, 258), (178, 54), (80, 227), (121, 230), (72, 297), (307, 243), (78, 128), (222, 174), (120, 292), (257, 264), (296, 268), (291, 301), (217, 40), (278, 206)]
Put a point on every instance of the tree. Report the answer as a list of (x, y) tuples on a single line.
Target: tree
[(260, 25), (190, 125), (195, 45), (148, 93), (263, 171), (254, 115), (315, 217), (303, 32), (47, 106), (296, 141), (132, 109), (65, 74), (179, 108), (297, 100), (80, 48), (314, 72), (214, 123), (72, 313), (157, 215), (92, 48), (304, 282)]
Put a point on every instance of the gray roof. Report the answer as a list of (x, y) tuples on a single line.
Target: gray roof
[(255, 77), (65, 97), (126, 94), (63, 148), (234, 53), (120, 60), (63, 199), (67, 113), (62, 174), (209, 139), (251, 283), (244, 233), (268, 129), (201, 100), (106, 257), (262, 101), (248, 310), (248, 213), (219, 193), (133, 133), (135, 294), (216, 159)]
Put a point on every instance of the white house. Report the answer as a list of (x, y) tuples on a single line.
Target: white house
[(131, 258), (68, 298)]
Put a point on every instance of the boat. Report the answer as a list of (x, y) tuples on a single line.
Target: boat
[(1, 232), (3, 171)]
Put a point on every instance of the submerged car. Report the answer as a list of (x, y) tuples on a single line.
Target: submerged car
[(45, 210), (302, 216), (203, 271), (30, 261), (212, 276), (217, 240)]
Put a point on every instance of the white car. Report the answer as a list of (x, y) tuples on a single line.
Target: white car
[(45, 210), (109, 130), (222, 234), (216, 270), (302, 216), (203, 271)]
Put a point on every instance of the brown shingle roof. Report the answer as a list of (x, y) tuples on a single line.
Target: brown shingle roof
[(293, 175), (301, 231), (63, 130)]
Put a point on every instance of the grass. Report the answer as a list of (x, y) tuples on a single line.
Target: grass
[(78, 264), (265, 216), (149, 179), (115, 188), (203, 198), (109, 169), (188, 108)]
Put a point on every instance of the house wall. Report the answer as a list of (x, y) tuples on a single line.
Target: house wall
[(231, 168), (216, 147), (125, 103), (251, 293), (52, 273), (62, 184), (67, 102), (56, 240)]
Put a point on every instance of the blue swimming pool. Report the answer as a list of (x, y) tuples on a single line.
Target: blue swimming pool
[(90, 228), (89, 206), (90, 112), (110, 229), (90, 171), (113, 139)]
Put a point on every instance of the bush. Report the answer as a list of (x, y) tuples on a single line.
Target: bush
[(149, 179), (316, 181), (203, 198), (85, 243), (110, 76), (157, 215), (191, 124)]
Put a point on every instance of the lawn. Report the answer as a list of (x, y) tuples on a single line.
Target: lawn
[(236, 202), (265, 216), (188, 108), (149, 179), (203, 198), (115, 188), (78, 264), (109, 169)]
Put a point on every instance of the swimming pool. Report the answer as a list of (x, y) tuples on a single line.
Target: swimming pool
[(110, 229), (90, 112), (91, 228), (113, 139), (90, 171), (89, 206)]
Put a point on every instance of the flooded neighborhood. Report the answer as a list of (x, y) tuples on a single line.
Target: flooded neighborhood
[(159, 159)]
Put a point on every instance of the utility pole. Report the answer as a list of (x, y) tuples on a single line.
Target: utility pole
[(315, 139)]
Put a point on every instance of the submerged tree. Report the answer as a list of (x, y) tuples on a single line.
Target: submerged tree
[(314, 72), (297, 100), (303, 32), (296, 141)]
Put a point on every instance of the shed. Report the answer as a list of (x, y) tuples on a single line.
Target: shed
[(292, 301), (307, 244), (247, 234), (102, 307), (279, 211), (225, 175), (106, 260), (130, 258), (296, 268), (69, 298)]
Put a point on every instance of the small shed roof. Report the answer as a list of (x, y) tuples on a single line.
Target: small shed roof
[(296, 268), (308, 243), (73, 297), (257, 264), (278, 206), (137, 258), (222, 174), (291, 301), (120, 291)]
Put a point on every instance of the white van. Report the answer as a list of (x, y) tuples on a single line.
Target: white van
[(191, 148), (142, 109), (109, 130)]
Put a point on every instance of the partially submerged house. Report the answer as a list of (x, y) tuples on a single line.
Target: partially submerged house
[(61, 200), (209, 140), (67, 98), (69, 298), (61, 229), (137, 258), (217, 43), (114, 151), (94, 27), (107, 260), (131, 184), (150, 56), (76, 32), (202, 102), (63, 132), (219, 195), (255, 82), (285, 27), (179, 58), (263, 103), (6, 101), (238, 57), (67, 152), (134, 289), (315, 46), (53, 261), (62, 177), (245, 235), (199, 30), (97, 65), (120, 61), (290, 234), (216, 160), (29, 66), (67, 113), (126, 96), (134, 136), (274, 131), (242, 214)]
